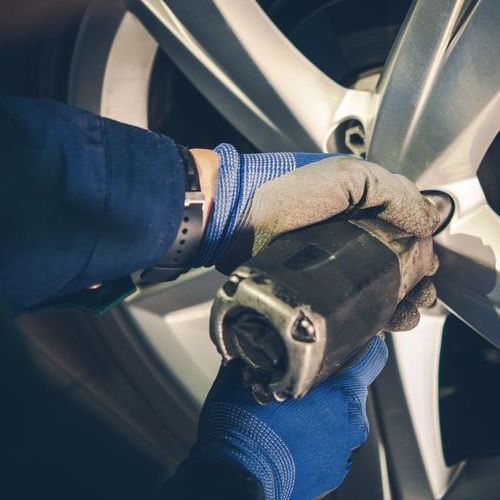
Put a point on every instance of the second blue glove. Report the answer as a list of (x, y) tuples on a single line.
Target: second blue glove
[(296, 449)]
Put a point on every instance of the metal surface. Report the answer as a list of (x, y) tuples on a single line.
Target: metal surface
[(355, 140), (112, 64), (276, 302), (439, 113), (239, 60), (434, 114), (299, 361), (175, 318)]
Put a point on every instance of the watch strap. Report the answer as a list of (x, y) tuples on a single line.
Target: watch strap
[(177, 259), (190, 169)]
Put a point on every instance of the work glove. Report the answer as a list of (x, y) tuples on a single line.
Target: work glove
[(297, 449), (261, 196)]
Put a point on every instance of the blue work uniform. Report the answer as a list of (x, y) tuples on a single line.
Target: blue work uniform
[(86, 200)]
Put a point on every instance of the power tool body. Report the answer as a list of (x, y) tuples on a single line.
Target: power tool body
[(306, 305)]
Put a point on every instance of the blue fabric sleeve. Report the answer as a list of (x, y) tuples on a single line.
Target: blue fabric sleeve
[(83, 199)]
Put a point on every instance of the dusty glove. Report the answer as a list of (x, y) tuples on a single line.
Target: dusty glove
[(296, 449), (260, 197)]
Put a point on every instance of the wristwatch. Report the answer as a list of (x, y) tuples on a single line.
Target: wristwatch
[(177, 259)]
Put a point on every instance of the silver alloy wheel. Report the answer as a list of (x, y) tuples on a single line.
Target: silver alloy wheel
[(432, 117)]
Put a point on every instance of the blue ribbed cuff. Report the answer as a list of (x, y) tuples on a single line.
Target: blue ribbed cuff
[(238, 178)]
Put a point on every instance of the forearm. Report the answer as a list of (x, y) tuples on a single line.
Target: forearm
[(83, 200)]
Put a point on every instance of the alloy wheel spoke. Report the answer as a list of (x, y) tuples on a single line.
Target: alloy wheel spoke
[(439, 113), (468, 282), (440, 92), (251, 72)]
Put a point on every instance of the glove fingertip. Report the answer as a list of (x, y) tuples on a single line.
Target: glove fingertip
[(423, 294), (428, 219), (434, 266), (405, 318)]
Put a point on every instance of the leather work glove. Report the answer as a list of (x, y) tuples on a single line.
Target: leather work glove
[(297, 449), (261, 196)]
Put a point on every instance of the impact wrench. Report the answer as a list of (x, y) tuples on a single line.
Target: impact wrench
[(306, 305)]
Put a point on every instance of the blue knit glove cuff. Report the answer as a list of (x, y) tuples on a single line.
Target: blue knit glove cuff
[(238, 178)]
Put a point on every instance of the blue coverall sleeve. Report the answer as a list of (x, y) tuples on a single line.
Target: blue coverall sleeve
[(83, 200)]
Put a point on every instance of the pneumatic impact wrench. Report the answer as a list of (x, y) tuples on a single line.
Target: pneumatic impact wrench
[(302, 308)]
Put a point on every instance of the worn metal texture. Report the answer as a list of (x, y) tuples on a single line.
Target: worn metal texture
[(324, 291)]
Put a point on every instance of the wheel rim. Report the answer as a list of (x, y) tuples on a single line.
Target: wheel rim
[(286, 103)]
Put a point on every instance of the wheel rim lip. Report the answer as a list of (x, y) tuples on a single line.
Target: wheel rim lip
[(115, 68), (116, 109)]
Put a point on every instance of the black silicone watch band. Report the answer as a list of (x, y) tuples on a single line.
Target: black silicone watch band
[(179, 256), (190, 170)]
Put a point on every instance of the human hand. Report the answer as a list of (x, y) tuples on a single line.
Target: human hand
[(262, 196), (234, 183), (297, 449)]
